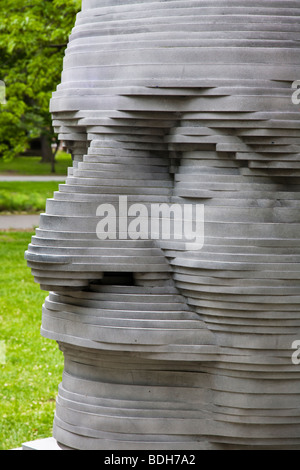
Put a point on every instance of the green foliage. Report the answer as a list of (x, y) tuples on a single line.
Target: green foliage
[(33, 166), (21, 197), (30, 376), (33, 39)]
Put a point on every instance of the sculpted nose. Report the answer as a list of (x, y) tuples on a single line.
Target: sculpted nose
[(67, 248)]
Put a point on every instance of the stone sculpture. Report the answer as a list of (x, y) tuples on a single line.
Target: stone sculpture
[(167, 346)]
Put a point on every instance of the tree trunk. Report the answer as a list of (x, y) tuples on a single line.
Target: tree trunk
[(47, 154)]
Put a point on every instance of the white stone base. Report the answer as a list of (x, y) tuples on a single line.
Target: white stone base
[(42, 444)]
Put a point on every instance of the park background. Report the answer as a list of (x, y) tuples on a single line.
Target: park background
[(33, 38)]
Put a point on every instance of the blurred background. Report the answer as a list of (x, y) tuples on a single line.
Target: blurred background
[(33, 38)]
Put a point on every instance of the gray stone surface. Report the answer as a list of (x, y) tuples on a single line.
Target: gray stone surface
[(165, 346)]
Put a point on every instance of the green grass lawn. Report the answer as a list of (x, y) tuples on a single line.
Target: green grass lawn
[(33, 166), (25, 197), (33, 366)]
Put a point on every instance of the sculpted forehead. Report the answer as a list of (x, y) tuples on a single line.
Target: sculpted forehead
[(270, 8), (231, 63), (211, 25), (213, 3), (184, 40)]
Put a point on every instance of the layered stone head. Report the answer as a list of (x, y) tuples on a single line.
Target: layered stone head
[(185, 105)]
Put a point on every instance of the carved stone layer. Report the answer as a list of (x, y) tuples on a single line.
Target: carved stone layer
[(177, 102)]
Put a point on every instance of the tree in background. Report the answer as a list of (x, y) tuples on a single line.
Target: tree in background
[(33, 39)]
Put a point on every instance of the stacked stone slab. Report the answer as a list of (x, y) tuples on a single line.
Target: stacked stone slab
[(165, 346)]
